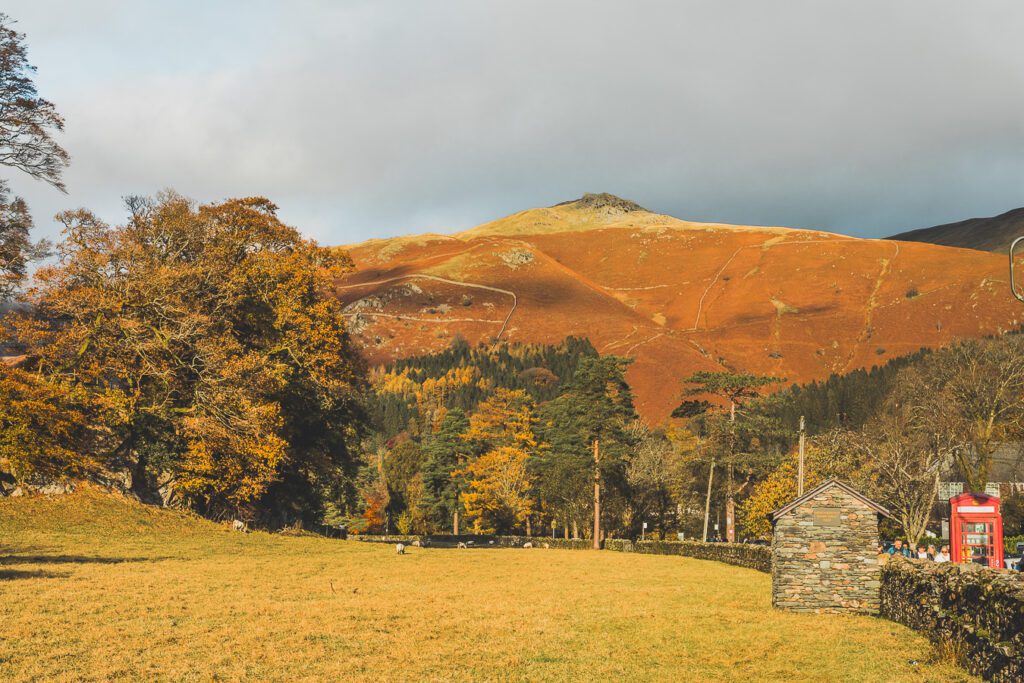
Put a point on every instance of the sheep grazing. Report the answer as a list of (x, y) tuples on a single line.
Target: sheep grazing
[(239, 525), (462, 545), (527, 545), (400, 548)]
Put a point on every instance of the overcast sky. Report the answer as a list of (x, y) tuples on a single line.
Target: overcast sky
[(367, 119)]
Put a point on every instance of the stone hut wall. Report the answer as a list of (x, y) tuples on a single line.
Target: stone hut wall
[(825, 556)]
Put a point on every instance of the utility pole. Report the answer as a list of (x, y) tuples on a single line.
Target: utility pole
[(730, 502), (800, 465), (597, 496)]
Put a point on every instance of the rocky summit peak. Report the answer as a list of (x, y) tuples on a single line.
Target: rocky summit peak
[(603, 200)]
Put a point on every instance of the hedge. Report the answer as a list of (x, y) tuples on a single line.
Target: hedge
[(971, 609)]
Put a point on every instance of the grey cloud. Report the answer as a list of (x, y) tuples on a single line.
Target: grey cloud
[(370, 118)]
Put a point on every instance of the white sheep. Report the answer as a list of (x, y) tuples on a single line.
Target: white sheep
[(400, 548)]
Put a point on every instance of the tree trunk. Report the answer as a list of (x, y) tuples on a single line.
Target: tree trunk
[(707, 501)]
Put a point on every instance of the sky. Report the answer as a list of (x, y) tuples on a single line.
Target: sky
[(368, 119)]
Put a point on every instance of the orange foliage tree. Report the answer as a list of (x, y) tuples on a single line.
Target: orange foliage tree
[(241, 390), (48, 430), (507, 418), (499, 485), (837, 453), (499, 482)]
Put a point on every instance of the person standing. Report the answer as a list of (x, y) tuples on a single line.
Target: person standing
[(943, 554)]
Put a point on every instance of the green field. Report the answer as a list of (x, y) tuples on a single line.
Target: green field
[(95, 587)]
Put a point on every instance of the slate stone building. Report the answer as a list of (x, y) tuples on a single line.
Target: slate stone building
[(825, 551)]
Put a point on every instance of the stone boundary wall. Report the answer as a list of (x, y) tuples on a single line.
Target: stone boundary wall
[(756, 557), (478, 541), (622, 545), (739, 554), (977, 610)]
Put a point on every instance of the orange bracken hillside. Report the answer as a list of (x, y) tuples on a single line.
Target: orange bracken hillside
[(676, 296)]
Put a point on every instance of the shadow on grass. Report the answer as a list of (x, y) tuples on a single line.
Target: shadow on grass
[(13, 574), (71, 559), (10, 557)]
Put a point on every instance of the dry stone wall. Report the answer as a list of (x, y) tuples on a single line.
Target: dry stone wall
[(973, 610), (740, 554), (477, 541), (825, 556)]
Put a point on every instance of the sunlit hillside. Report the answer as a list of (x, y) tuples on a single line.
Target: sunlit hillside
[(676, 296)]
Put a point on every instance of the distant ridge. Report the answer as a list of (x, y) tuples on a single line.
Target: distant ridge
[(982, 234)]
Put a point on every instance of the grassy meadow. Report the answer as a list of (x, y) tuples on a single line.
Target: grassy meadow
[(96, 587)]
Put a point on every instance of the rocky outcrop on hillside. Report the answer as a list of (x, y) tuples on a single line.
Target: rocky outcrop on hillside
[(604, 200)]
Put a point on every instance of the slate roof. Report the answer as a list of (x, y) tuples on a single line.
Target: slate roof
[(774, 516)]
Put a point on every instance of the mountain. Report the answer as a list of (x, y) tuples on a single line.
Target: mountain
[(985, 234), (676, 296)]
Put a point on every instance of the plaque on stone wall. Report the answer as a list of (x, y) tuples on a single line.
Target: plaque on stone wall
[(825, 516)]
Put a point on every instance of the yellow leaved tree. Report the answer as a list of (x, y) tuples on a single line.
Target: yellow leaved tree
[(499, 484), (499, 481)]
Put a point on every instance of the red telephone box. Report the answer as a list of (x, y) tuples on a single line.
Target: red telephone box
[(976, 530)]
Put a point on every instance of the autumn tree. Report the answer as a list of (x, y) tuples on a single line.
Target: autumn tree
[(48, 430), (652, 467), (16, 247), (497, 499), (908, 453), (27, 121), (498, 482), (375, 499), (732, 389), (506, 418), (972, 394), (27, 125), (838, 453), (218, 325)]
